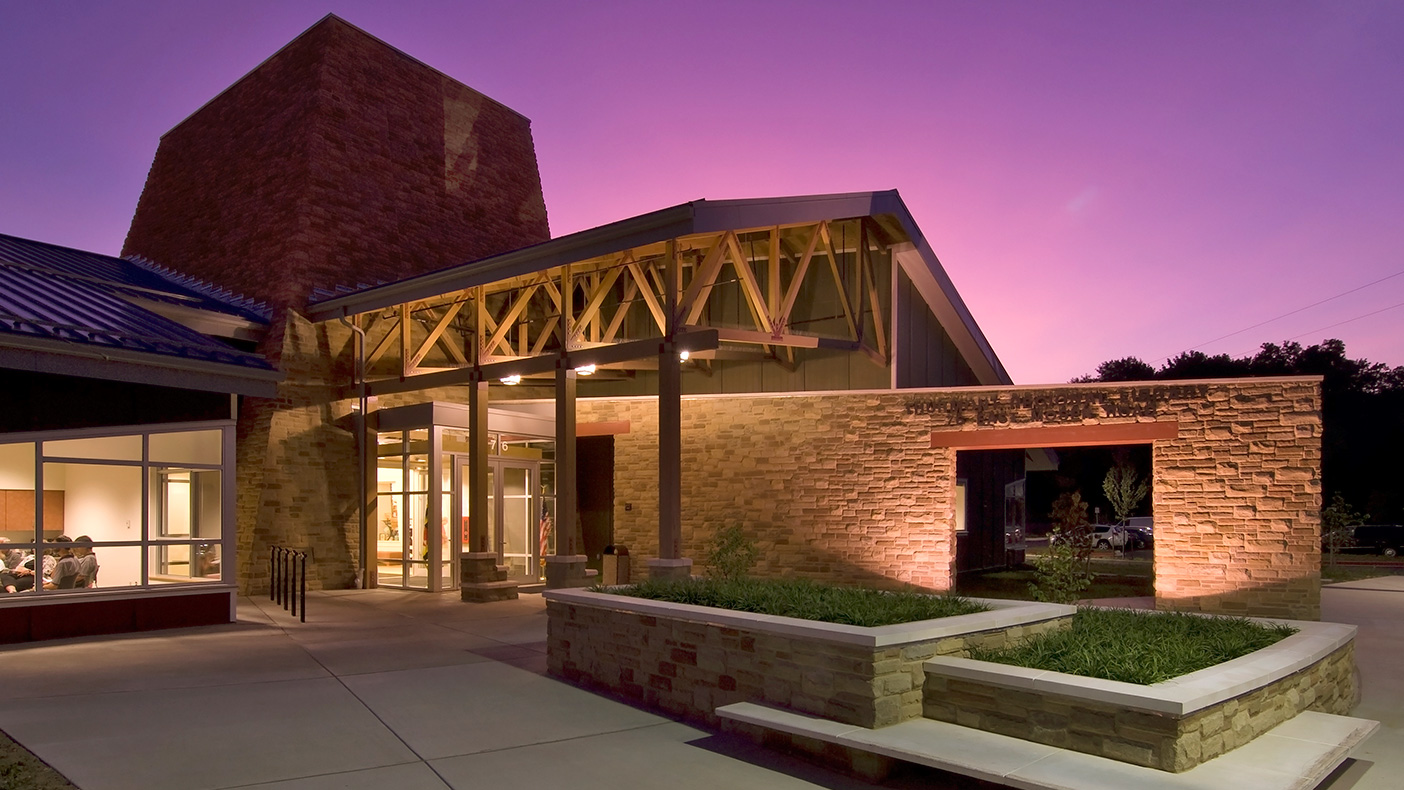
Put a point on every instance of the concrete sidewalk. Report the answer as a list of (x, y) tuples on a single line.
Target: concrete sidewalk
[(415, 691), (379, 689)]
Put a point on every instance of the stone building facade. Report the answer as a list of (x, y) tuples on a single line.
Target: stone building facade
[(848, 487)]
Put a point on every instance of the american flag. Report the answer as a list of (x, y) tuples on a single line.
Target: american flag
[(546, 527)]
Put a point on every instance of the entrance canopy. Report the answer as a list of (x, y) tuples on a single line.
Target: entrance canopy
[(772, 279)]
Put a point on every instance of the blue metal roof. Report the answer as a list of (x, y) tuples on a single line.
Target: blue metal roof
[(134, 277), (57, 299)]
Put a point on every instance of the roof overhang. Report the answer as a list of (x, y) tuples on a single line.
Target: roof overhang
[(43, 355), (913, 254)]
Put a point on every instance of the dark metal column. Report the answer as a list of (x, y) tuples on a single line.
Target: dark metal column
[(669, 453), (479, 530), (568, 541), (670, 420)]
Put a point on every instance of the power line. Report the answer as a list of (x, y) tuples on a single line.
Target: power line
[(1301, 309), (1347, 321)]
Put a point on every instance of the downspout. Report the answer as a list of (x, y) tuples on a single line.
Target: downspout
[(359, 380)]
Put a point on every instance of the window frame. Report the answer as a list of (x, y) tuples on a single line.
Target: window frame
[(149, 538)]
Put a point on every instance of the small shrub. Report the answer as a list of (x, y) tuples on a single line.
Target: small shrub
[(731, 553)]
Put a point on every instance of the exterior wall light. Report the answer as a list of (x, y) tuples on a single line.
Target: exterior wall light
[(683, 355), (585, 370), (512, 379)]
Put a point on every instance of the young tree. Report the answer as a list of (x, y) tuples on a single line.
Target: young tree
[(1063, 573), (1338, 520), (1125, 490)]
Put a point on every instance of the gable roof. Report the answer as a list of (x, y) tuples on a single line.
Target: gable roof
[(910, 250), (80, 313)]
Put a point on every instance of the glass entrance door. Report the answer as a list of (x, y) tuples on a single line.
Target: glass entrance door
[(512, 505), (516, 498)]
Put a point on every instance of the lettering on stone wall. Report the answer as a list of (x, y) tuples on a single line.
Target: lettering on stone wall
[(1053, 407)]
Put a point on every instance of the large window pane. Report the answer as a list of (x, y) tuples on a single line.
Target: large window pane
[(17, 492), (101, 448), (98, 566), (186, 447), (17, 466), (185, 503), (185, 562), (100, 501)]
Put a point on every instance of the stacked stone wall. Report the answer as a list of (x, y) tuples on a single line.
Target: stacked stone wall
[(841, 488), (297, 460), (1155, 740), (845, 487), (1237, 501), (691, 667)]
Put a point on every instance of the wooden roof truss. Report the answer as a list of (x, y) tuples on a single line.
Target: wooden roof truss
[(773, 290)]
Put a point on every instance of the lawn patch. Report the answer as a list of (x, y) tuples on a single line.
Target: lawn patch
[(804, 599), (1139, 647)]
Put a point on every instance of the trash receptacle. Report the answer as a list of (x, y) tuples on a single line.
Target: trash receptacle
[(615, 569)]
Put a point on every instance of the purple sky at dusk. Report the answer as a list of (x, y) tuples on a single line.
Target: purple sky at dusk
[(1100, 179)]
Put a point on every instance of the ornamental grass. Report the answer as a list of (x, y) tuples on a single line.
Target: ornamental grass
[(1139, 647), (803, 599)]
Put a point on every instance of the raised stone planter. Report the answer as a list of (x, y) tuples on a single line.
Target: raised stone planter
[(1172, 726), (690, 660)]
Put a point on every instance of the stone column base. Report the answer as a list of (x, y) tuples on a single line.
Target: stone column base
[(568, 570), (659, 568), (483, 579)]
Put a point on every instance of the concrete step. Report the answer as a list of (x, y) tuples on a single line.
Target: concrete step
[(1296, 755)]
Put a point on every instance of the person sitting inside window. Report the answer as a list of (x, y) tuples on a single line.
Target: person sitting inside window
[(87, 561), (21, 578), (65, 576)]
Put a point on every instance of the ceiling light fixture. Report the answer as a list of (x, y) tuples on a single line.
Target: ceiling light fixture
[(515, 378), (585, 370)]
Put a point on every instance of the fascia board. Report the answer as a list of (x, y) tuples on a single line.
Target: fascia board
[(930, 279), (715, 216), (40, 355)]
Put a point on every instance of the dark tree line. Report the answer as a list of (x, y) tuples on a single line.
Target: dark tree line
[(1362, 413)]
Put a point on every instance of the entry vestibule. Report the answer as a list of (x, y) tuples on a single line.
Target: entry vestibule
[(422, 443)]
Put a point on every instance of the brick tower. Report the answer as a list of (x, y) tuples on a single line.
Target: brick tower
[(338, 161)]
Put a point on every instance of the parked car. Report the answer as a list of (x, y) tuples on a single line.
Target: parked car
[(1386, 539), (1112, 536), (1140, 537), (1107, 536)]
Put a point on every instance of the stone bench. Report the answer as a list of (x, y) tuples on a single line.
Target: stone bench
[(1296, 755)]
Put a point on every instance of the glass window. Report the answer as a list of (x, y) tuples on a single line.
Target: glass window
[(97, 500), (78, 565), (101, 448), (17, 466), (185, 503), (17, 492), (111, 517), (455, 440), (960, 506), (185, 562), (186, 447)]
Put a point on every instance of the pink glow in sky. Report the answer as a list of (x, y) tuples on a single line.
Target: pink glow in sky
[(1100, 179)]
